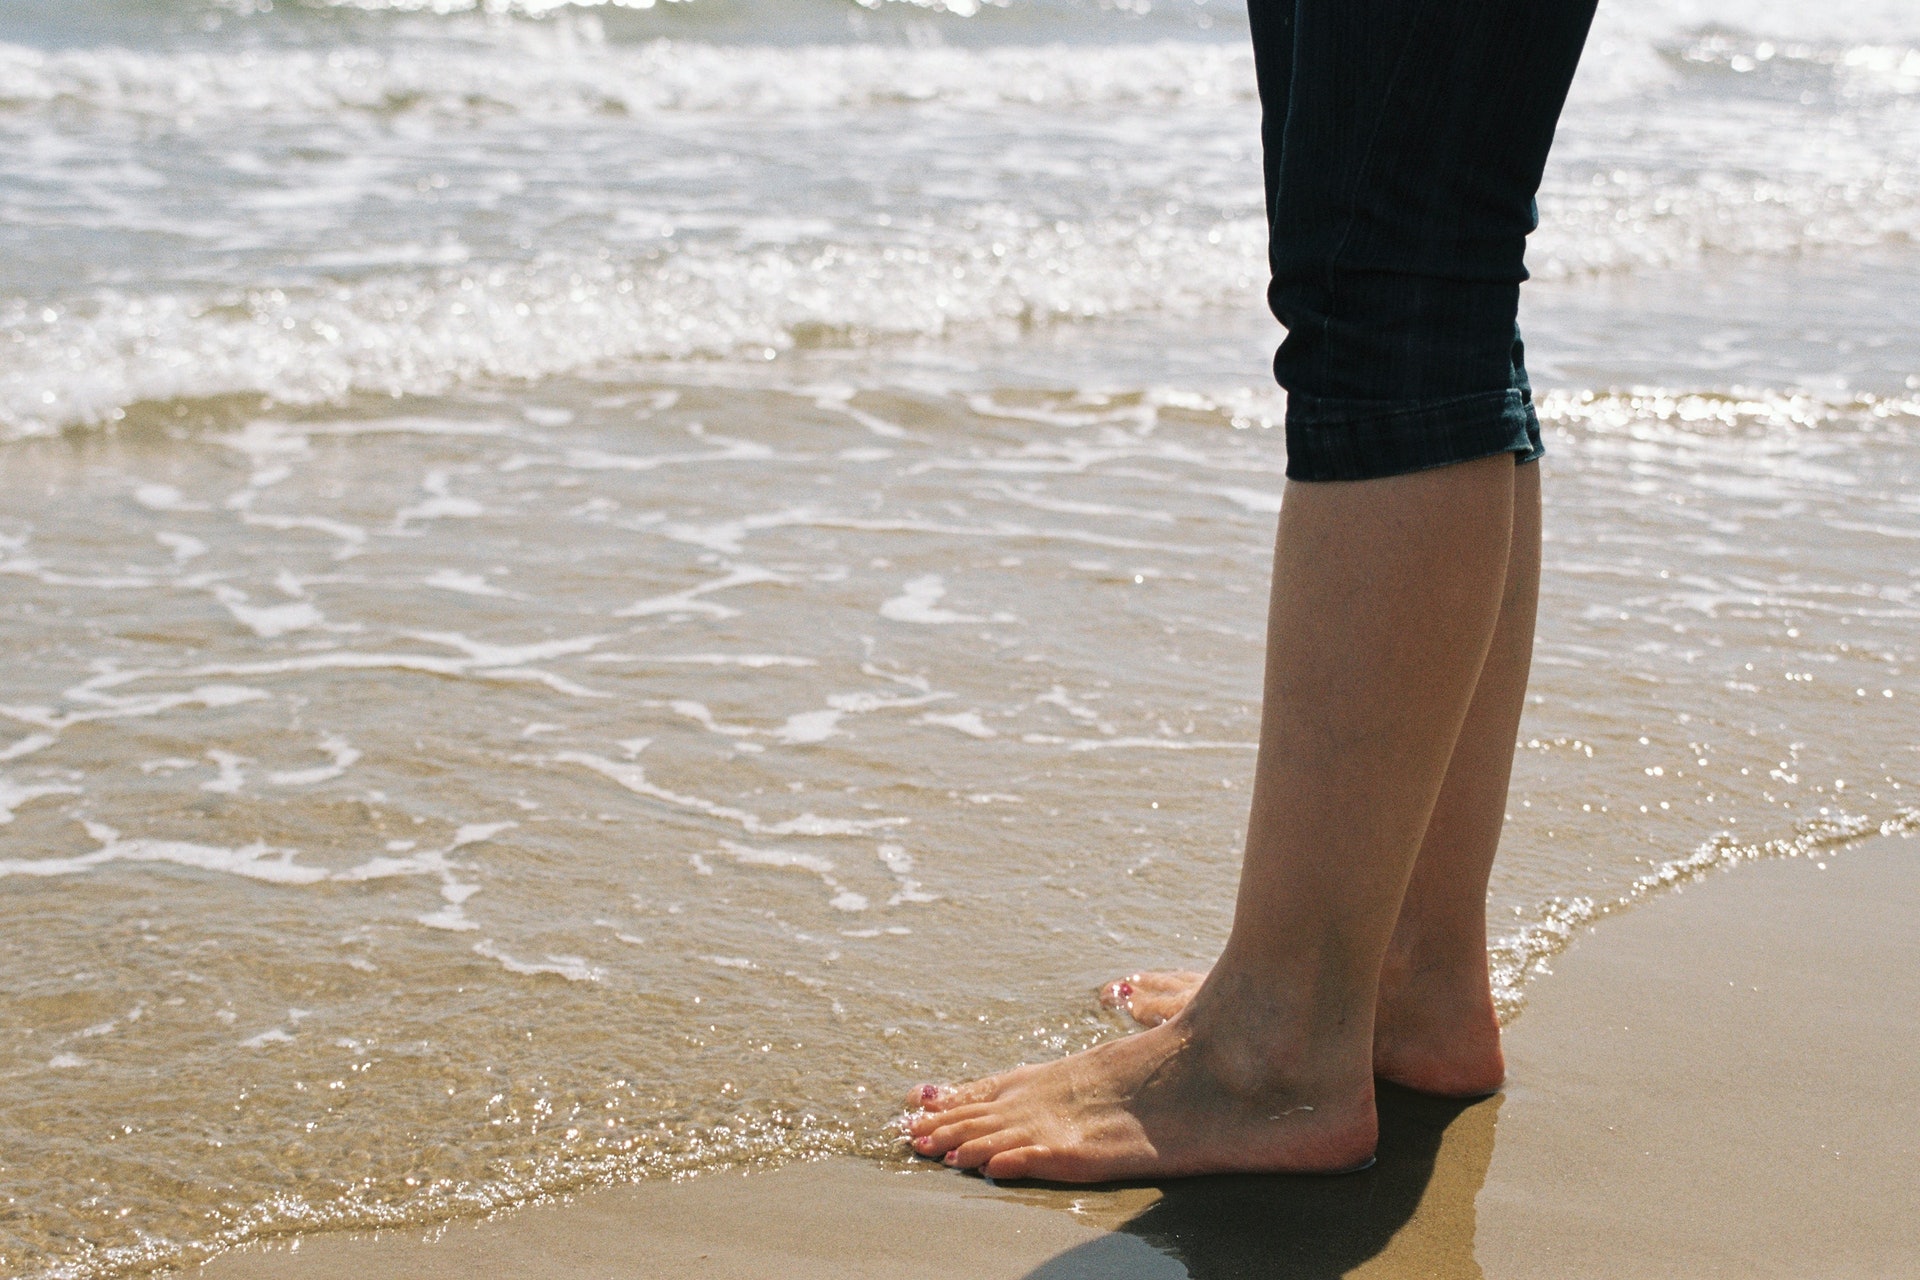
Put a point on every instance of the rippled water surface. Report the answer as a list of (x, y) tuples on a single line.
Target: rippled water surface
[(589, 590)]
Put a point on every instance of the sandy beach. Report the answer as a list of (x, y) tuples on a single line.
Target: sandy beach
[(589, 589), (1720, 1082)]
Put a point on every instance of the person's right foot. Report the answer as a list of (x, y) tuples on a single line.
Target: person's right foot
[(1206, 1092), (1153, 997), (1429, 1035)]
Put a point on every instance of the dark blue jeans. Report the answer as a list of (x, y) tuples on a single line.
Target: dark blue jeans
[(1405, 141)]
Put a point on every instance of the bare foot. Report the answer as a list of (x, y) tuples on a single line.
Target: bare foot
[(1173, 1101), (1433, 1031), (1151, 998), (1436, 1030)]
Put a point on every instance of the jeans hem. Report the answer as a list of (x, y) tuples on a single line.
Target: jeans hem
[(1370, 440)]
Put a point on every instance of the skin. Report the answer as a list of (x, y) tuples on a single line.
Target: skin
[(1398, 633), (1435, 1028)]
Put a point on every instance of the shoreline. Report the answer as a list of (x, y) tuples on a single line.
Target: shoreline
[(1717, 1082)]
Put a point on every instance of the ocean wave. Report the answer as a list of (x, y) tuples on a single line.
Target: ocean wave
[(429, 333), (543, 73), (547, 8), (542, 76)]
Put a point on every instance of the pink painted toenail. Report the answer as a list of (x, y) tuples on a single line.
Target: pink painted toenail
[(928, 1093), (1126, 990)]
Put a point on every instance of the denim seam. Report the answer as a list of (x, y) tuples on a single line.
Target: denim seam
[(1359, 180)]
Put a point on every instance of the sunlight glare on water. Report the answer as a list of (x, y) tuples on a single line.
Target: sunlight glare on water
[(575, 609)]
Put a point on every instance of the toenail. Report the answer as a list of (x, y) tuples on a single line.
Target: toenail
[(952, 1157), (1126, 990), (928, 1093)]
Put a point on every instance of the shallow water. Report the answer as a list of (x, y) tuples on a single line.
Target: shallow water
[(580, 606)]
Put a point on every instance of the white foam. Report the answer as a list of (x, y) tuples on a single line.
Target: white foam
[(185, 547), (750, 856), (729, 451), (124, 708), (752, 661), (1159, 744), (344, 756), (231, 777), (278, 866), (728, 536), (164, 497), (634, 778), (475, 832), (28, 567), (690, 601), (1041, 502), (27, 746), (844, 899), (572, 968), (268, 621), (1520, 955), (473, 83), (440, 504), (698, 711), (486, 655), (967, 722), (255, 861), (917, 603), (897, 860), (469, 584), (426, 332), (1259, 501), (806, 727), (14, 795), (483, 661), (352, 537)]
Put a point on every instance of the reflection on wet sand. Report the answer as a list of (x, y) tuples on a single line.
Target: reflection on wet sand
[(1410, 1215)]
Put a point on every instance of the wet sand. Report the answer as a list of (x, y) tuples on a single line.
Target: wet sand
[(1720, 1081)]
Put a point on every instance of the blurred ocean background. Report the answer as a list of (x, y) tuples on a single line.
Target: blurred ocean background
[(589, 590)]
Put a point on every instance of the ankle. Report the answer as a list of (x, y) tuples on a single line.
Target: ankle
[(1262, 1039), (1426, 969)]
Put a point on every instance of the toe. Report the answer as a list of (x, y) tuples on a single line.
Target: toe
[(973, 1092), (1020, 1162), (949, 1136), (929, 1122), (977, 1151), (1118, 994)]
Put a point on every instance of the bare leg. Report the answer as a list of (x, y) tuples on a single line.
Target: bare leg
[(1386, 595), (1434, 1025), (1436, 1029)]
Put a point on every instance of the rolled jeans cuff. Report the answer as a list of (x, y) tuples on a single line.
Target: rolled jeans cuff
[(1335, 439)]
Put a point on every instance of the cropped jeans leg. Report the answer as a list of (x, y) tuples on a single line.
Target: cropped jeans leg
[(1405, 141)]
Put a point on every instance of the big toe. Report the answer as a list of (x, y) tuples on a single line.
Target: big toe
[(985, 1089)]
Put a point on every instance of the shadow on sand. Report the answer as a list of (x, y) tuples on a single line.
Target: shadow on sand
[(1410, 1215)]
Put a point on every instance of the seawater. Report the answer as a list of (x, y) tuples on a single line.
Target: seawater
[(590, 590)]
